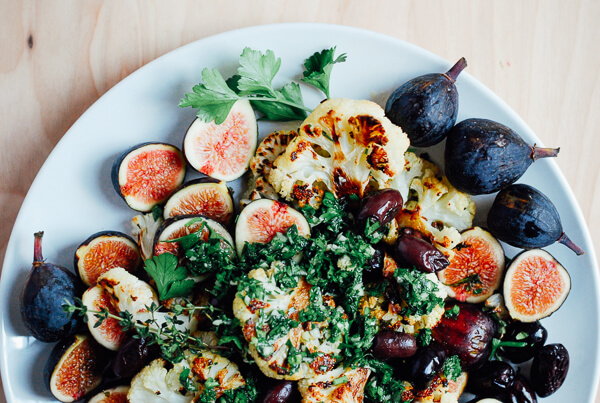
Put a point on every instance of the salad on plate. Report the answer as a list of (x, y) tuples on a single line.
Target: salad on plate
[(350, 270)]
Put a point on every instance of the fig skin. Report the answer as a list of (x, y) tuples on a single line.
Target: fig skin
[(426, 106), (43, 296), (469, 335), (524, 217), (483, 156)]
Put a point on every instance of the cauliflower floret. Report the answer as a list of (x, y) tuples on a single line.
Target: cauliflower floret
[(282, 346), (439, 391), (269, 149), (391, 316), (261, 163), (144, 230), (156, 384), (343, 146), (207, 365), (433, 206), (333, 387), (413, 168), (128, 293)]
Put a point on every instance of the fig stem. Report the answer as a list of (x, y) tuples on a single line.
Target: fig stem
[(565, 240), (543, 152), (38, 259), (453, 73)]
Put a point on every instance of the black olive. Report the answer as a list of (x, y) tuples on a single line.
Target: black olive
[(391, 345), (492, 378), (425, 364), (374, 269), (131, 357), (411, 250), (382, 206), (549, 369), (281, 392), (532, 333), (521, 391)]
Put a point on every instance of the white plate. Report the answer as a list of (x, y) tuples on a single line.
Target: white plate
[(72, 196)]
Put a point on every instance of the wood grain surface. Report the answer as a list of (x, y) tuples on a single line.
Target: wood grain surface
[(57, 57)]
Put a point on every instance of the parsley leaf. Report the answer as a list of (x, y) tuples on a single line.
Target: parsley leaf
[(171, 281), (452, 368), (418, 292), (186, 381), (278, 110), (257, 72), (215, 96), (452, 313), (424, 337), (318, 69)]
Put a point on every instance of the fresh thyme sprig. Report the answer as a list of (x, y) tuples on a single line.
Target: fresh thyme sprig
[(170, 338)]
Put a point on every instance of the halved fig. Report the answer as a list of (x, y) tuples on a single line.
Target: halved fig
[(476, 267), (147, 174), (74, 368), (109, 334), (180, 226), (223, 151), (112, 395), (204, 196), (262, 219), (103, 251), (535, 286)]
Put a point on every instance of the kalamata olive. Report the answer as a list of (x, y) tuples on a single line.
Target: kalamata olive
[(521, 391), (132, 356), (410, 250), (425, 364), (413, 232), (374, 268), (281, 392), (532, 333), (389, 345), (549, 369), (382, 206), (492, 378)]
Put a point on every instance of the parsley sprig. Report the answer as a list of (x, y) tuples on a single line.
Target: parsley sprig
[(214, 96), (171, 280), (318, 68)]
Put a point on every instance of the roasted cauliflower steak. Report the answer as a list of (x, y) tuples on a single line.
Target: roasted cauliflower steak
[(344, 146)]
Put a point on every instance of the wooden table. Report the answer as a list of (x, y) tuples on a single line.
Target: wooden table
[(56, 58)]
